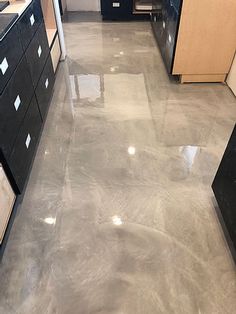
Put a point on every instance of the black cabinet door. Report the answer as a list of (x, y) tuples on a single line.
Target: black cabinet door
[(224, 187), (29, 23), (10, 54), (45, 87), (116, 8), (25, 145), (14, 103), (165, 26), (37, 54)]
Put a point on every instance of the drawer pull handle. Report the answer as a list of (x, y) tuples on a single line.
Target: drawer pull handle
[(17, 102), (170, 39), (155, 18), (39, 51), (32, 20), (28, 140), (46, 83), (4, 66), (164, 24), (116, 4)]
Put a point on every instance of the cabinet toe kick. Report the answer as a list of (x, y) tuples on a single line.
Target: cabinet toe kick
[(202, 78)]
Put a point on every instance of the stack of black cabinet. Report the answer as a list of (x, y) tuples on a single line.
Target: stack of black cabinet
[(122, 10), (26, 85), (224, 187)]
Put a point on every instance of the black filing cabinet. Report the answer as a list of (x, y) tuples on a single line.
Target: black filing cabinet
[(44, 87), (26, 85), (37, 53), (116, 9), (224, 187), (10, 54), (14, 103), (29, 23), (25, 145), (165, 24)]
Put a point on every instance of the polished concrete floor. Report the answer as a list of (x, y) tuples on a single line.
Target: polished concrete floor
[(118, 216)]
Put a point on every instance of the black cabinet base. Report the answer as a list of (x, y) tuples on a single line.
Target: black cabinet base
[(224, 188), (131, 17), (228, 239)]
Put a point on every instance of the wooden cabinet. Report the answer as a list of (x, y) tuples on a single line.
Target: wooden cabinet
[(204, 41), (231, 80), (52, 32), (7, 200)]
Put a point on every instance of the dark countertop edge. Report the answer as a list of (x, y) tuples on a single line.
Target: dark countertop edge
[(15, 21), (10, 25)]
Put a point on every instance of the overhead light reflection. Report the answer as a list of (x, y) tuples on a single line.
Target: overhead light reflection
[(131, 150), (189, 153), (117, 220), (50, 220)]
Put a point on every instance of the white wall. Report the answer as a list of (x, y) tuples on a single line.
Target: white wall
[(83, 5)]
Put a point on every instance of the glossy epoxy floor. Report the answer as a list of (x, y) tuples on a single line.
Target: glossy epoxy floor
[(118, 216)]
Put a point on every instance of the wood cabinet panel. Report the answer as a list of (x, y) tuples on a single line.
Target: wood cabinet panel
[(55, 53), (207, 37), (231, 80), (7, 200)]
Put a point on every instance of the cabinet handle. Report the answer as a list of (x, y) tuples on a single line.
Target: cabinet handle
[(39, 51), (116, 4), (4, 65), (164, 24), (32, 20), (28, 140), (46, 83), (17, 102)]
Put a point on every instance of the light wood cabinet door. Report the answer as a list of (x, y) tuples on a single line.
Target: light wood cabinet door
[(7, 199), (231, 80), (207, 37)]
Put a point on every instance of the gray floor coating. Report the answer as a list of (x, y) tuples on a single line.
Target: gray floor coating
[(118, 215)]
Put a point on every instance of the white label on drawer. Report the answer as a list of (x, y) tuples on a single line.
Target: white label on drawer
[(164, 24), (39, 51), (32, 20), (17, 102), (4, 66), (116, 4), (46, 83), (28, 140), (170, 39)]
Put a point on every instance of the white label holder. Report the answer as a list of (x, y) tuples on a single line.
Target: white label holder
[(17, 102), (46, 83), (39, 51), (32, 20), (4, 65), (28, 140)]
